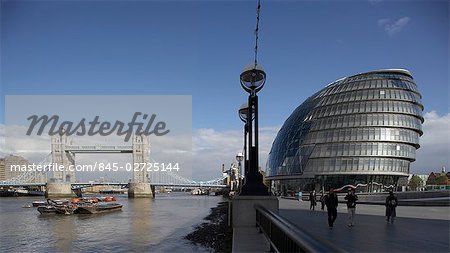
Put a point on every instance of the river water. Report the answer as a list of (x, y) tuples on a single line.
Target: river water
[(143, 225)]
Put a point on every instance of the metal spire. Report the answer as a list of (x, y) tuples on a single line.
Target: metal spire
[(257, 32)]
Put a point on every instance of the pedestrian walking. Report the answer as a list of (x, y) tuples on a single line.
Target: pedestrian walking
[(312, 200), (391, 205), (331, 201), (300, 195), (351, 198), (322, 201)]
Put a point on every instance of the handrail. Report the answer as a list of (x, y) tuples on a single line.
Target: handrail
[(287, 237)]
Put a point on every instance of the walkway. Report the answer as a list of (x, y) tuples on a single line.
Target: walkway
[(416, 229)]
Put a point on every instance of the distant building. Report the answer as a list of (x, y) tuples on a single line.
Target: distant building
[(10, 162), (104, 188), (232, 179), (8, 169), (433, 183), (2, 169), (431, 180)]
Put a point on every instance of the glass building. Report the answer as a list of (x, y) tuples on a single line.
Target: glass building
[(362, 129)]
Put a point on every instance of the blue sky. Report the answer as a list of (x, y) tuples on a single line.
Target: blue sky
[(198, 48)]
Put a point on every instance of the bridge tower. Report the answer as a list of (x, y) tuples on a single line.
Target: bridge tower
[(140, 185), (60, 183), (141, 155), (62, 157)]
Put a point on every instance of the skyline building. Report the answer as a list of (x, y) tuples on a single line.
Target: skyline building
[(7, 172)]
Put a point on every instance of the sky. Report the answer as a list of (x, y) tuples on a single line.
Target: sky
[(199, 48)]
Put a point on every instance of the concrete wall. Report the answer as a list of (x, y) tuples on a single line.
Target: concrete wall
[(59, 190)]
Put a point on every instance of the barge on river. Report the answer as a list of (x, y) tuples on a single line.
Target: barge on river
[(98, 208)]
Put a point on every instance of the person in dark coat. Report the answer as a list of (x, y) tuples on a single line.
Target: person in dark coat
[(331, 201), (312, 200), (351, 198), (391, 204)]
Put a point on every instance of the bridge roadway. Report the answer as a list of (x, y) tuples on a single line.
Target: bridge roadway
[(416, 229)]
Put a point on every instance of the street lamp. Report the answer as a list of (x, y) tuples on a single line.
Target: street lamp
[(239, 157), (252, 80), (243, 110)]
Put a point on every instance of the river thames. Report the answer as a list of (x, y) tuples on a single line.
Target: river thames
[(156, 225)]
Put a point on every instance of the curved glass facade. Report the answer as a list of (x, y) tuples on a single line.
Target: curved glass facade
[(359, 129)]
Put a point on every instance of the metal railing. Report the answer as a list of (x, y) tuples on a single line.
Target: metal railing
[(287, 237)]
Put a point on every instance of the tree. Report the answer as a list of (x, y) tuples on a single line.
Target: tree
[(415, 183), (431, 180), (441, 180)]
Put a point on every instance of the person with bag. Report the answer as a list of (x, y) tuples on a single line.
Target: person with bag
[(391, 205)]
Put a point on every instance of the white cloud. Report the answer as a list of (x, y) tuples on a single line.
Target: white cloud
[(434, 151), (373, 2), (393, 27), (212, 148), (384, 21), (204, 151)]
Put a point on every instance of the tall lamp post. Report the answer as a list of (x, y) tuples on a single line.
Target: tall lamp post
[(252, 80), (253, 191)]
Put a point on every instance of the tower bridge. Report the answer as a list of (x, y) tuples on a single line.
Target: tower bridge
[(62, 183), (63, 153)]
